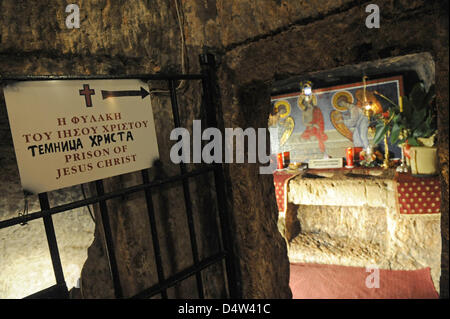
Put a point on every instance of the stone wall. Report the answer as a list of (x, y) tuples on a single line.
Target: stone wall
[(255, 42)]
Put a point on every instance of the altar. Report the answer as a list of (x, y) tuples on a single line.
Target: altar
[(361, 217)]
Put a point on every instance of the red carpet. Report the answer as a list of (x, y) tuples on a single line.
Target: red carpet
[(312, 281)]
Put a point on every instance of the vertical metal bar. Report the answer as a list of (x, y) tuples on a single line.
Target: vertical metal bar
[(187, 196), (208, 82), (155, 240), (53, 246), (109, 242)]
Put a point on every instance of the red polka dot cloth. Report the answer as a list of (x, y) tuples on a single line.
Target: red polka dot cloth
[(280, 180), (418, 195)]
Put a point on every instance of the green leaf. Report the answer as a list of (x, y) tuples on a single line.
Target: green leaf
[(429, 118), (381, 130), (417, 95), (396, 129), (430, 95), (412, 141), (419, 116), (397, 118), (408, 109), (428, 132)]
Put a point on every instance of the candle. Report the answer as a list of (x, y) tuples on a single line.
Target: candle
[(350, 157), (280, 161), (400, 99)]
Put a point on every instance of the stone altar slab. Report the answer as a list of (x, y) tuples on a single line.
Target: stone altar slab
[(349, 217)]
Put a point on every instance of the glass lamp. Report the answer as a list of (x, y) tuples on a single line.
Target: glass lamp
[(307, 90)]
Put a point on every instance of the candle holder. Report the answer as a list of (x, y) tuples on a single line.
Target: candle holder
[(369, 157), (403, 168), (385, 164)]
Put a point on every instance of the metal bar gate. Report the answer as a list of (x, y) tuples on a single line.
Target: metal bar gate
[(60, 290)]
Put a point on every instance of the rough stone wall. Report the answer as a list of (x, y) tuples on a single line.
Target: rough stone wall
[(255, 42)]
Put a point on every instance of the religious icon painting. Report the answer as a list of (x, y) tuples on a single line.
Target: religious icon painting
[(330, 120)]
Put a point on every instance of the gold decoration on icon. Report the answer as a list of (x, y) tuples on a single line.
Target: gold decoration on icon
[(338, 122), (342, 96), (289, 124), (287, 107)]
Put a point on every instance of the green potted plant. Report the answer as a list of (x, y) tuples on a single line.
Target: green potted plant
[(413, 127)]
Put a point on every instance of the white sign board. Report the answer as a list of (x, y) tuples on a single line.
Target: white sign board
[(71, 132)]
